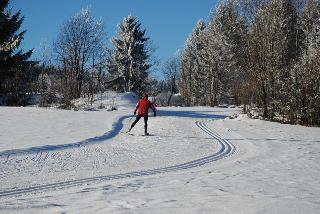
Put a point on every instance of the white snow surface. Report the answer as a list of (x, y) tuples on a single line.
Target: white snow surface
[(194, 161)]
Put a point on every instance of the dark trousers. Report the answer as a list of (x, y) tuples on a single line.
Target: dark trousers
[(145, 117)]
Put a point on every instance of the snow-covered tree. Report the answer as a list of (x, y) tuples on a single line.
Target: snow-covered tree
[(129, 61), (80, 38), (192, 66), (306, 74), (228, 48), (171, 69), (257, 51), (213, 57)]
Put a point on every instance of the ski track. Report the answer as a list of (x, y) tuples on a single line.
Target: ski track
[(226, 150)]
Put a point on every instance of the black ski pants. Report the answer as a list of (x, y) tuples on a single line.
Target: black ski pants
[(145, 117)]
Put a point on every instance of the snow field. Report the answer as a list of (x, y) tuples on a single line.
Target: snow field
[(274, 167)]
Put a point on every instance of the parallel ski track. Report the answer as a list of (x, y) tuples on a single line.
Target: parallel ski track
[(226, 150)]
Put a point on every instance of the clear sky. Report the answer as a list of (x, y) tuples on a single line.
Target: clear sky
[(168, 22)]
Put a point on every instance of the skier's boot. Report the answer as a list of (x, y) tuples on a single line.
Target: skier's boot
[(129, 130), (146, 133)]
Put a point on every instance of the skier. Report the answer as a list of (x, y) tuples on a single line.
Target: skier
[(142, 107)]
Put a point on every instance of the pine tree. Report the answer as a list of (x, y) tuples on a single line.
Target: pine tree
[(286, 49), (12, 60), (306, 73), (260, 52), (227, 35), (199, 78), (129, 62), (193, 69), (186, 73)]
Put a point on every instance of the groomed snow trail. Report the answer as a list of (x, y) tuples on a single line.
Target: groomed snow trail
[(226, 149)]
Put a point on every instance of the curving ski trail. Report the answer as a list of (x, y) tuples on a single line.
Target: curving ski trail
[(226, 149)]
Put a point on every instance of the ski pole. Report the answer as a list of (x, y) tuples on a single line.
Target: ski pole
[(129, 122), (130, 119)]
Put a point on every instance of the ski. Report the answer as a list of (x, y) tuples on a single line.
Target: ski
[(128, 133)]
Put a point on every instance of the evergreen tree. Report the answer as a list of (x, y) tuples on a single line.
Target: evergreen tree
[(12, 61), (306, 75), (199, 77), (228, 38), (129, 62), (186, 73), (193, 70), (213, 58), (264, 53)]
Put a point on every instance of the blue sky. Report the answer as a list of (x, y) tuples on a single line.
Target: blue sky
[(168, 22)]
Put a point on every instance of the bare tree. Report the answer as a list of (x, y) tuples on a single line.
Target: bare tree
[(79, 39), (46, 77), (171, 69), (94, 78)]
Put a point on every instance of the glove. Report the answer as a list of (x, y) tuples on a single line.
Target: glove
[(134, 112), (154, 114)]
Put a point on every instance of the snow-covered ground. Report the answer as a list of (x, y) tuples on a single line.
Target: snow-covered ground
[(194, 161)]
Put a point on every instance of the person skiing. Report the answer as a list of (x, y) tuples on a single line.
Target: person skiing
[(142, 107)]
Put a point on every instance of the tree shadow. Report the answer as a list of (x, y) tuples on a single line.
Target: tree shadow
[(273, 139), (191, 114), (116, 128)]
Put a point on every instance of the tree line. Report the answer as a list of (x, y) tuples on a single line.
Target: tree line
[(79, 63), (261, 53)]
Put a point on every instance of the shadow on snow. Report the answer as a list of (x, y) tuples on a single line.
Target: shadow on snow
[(191, 114), (116, 128)]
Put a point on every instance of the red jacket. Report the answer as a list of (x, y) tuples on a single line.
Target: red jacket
[(143, 106)]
